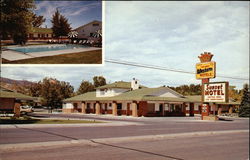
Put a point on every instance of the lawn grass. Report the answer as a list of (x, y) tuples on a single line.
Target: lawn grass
[(88, 57), (21, 120)]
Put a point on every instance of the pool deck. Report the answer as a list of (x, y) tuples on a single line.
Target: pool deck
[(14, 55)]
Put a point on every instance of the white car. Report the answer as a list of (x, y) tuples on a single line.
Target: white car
[(26, 109)]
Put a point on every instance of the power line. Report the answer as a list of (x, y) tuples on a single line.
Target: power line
[(162, 68)]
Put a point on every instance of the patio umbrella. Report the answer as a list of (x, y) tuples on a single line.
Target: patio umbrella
[(98, 33), (72, 34)]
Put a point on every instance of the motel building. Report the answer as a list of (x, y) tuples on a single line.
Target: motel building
[(132, 99), (10, 99), (88, 30), (40, 33)]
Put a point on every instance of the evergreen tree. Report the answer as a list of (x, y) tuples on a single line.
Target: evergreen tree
[(65, 26), (244, 110), (85, 87), (60, 27)]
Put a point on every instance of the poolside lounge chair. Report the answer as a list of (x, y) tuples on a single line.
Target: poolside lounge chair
[(84, 41), (80, 42), (91, 42)]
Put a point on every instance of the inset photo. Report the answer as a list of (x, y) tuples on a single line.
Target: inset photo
[(51, 32)]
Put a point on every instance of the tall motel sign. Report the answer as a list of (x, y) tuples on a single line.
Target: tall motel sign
[(212, 92)]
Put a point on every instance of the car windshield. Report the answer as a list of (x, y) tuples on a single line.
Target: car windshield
[(26, 107)]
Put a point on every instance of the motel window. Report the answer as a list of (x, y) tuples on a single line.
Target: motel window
[(166, 107), (95, 24), (83, 30), (47, 35), (38, 35)]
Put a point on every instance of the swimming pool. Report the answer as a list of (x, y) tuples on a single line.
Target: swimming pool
[(44, 48)]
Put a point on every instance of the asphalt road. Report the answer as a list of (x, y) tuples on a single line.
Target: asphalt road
[(207, 147), (146, 126), (137, 139)]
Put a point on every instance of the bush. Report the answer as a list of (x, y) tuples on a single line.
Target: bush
[(20, 38), (25, 117), (13, 118)]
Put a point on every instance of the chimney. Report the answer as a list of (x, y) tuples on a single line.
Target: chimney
[(134, 84)]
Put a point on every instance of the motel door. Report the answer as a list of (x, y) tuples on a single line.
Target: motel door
[(88, 108), (191, 109), (128, 109), (75, 107), (119, 109), (106, 108), (161, 110)]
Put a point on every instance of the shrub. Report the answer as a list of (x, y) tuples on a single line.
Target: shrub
[(20, 38), (25, 117)]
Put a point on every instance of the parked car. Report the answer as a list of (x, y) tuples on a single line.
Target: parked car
[(26, 109)]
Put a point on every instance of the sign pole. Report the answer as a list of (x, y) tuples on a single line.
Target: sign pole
[(205, 71)]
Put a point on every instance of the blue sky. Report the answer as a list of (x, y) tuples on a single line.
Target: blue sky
[(77, 12), (168, 34)]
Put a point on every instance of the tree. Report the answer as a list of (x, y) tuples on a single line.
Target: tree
[(244, 110), (188, 90), (37, 21), (35, 89), (234, 93), (99, 81), (16, 18), (85, 87), (52, 91), (60, 25), (65, 26)]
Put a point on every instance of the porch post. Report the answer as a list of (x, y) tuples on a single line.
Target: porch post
[(114, 108), (230, 109), (97, 108), (17, 109), (134, 109), (83, 108)]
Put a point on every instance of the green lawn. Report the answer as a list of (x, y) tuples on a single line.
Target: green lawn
[(88, 57), (21, 120)]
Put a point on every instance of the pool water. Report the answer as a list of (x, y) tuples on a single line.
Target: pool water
[(43, 48)]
